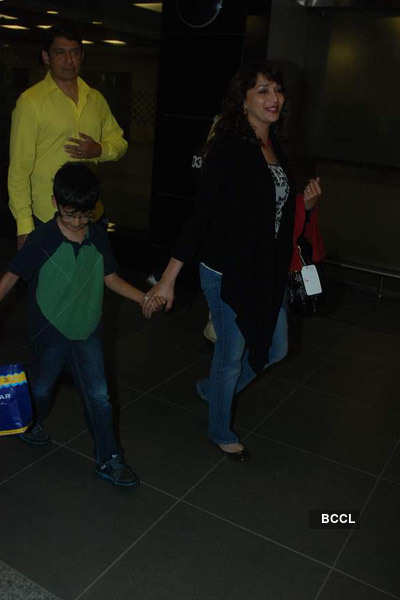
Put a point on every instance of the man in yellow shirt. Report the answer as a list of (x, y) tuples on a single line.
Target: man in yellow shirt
[(57, 120)]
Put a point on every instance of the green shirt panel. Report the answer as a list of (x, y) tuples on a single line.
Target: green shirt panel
[(70, 290)]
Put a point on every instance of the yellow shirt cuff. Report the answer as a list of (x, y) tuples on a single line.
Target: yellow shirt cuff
[(25, 226)]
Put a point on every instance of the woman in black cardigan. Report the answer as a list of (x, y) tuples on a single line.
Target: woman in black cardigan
[(242, 232)]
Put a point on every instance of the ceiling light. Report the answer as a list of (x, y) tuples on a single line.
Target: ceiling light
[(115, 42), (8, 17), (44, 26), (97, 22), (154, 6), (87, 42), (14, 27), (52, 12)]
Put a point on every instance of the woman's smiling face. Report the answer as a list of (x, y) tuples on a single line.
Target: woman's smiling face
[(263, 103)]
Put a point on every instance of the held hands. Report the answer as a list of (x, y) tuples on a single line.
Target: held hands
[(161, 290), (312, 193), (83, 148), (152, 304)]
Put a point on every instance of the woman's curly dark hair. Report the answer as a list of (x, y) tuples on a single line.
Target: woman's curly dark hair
[(233, 120)]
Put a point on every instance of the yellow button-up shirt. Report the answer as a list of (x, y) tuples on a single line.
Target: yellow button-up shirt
[(42, 121)]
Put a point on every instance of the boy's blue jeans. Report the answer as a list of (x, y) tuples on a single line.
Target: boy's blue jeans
[(85, 359), (230, 369)]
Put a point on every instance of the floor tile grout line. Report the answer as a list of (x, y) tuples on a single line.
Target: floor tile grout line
[(28, 579), (390, 481), (274, 409), (32, 464), (75, 451), (148, 530), (161, 383), (366, 583), (202, 403), (363, 509), (123, 407), (255, 533), (237, 525), (310, 388), (142, 483), (83, 431), (284, 546), (159, 490), (179, 500), (215, 515), (315, 454), (233, 523), (126, 551)]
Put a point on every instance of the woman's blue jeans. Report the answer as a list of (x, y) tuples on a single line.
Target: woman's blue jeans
[(85, 359), (230, 369)]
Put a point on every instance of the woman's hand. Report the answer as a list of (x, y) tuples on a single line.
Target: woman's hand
[(165, 288), (312, 193), (152, 304), (162, 291)]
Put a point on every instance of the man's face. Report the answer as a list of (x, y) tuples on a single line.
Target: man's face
[(63, 58)]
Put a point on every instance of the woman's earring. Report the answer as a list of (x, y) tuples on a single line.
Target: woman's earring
[(245, 110)]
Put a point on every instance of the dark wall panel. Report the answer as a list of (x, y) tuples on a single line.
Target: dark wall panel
[(178, 142), (195, 67), (195, 73)]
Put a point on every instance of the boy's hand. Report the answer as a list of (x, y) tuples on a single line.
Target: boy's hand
[(152, 304)]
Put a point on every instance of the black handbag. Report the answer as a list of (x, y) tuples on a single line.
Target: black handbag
[(298, 299)]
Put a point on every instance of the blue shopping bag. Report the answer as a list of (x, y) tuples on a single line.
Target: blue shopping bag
[(15, 400)]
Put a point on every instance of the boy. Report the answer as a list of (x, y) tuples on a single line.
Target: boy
[(67, 261)]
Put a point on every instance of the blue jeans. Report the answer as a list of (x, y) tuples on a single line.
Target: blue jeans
[(230, 368), (85, 359)]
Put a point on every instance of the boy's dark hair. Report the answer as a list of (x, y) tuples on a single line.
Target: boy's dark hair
[(76, 186), (64, 30)]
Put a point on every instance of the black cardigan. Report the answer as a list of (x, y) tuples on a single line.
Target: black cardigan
[(233, 231)]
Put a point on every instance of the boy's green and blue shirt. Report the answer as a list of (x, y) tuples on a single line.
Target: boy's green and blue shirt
[(66, 281)]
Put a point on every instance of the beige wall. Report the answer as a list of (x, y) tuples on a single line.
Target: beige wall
[(346, 112)]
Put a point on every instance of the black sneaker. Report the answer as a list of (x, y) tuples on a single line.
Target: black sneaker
[(116, 471), (35, 436)]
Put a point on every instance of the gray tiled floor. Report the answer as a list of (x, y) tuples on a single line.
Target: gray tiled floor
[(323, 428)]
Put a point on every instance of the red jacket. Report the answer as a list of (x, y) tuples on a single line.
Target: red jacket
[(311, 233)]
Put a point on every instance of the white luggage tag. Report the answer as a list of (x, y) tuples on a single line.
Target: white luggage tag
[(311, 280)]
